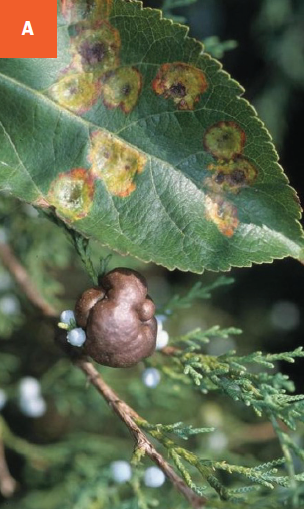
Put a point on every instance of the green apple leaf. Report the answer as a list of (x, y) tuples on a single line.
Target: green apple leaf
[(135, 137)]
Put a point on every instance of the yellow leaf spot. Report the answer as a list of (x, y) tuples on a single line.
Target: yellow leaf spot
[(76, 92), (115, 163), (181, 82), (72, 193), (222, 213), (224, 140), (121, 88), (231, 176), (96, 50)]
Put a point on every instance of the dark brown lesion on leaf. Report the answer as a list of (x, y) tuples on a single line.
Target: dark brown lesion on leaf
[(96, 49), (220, 178), (238, 176), (231, 176), (95, 71), (126, 89), (229, 173), (178, 90), (183, 83), (92, 53)]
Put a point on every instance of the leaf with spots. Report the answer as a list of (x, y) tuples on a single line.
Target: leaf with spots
[(135, 137)]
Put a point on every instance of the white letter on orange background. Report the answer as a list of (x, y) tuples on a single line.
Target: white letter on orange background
[(27, 29)]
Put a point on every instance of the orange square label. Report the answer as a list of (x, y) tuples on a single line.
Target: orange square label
[(28, 29)]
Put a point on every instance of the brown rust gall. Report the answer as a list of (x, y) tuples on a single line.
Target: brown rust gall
[(118, 318), (85, 303), (224, 140), (72, 194), (121, 88), (183, 83), (115, 163)]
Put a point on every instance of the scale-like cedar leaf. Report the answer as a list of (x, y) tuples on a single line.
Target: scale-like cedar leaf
[(137, 138)]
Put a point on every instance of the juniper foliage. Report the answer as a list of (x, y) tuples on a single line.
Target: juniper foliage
[(73, 467)]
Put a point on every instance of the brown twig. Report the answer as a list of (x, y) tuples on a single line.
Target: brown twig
[(7, 482), (128, 416), (21, 276), (170, 350)]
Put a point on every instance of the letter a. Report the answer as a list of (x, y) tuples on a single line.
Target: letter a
[(27, 29)]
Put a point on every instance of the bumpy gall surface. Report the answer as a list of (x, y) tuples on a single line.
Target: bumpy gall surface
[(118, 318)]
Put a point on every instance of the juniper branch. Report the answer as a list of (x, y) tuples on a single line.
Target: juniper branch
[(126, 413), (24, 281), (142, 443), (8, 484)]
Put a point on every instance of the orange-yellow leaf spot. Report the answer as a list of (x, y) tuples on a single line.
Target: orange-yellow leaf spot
[(121, 88), (225, 140), (222, 213), (181, 82), (96, 50), (232, 176), (115, 162), (72, 193), (76, 92)]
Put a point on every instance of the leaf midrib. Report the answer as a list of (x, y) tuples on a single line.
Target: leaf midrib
[(88, 124)]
